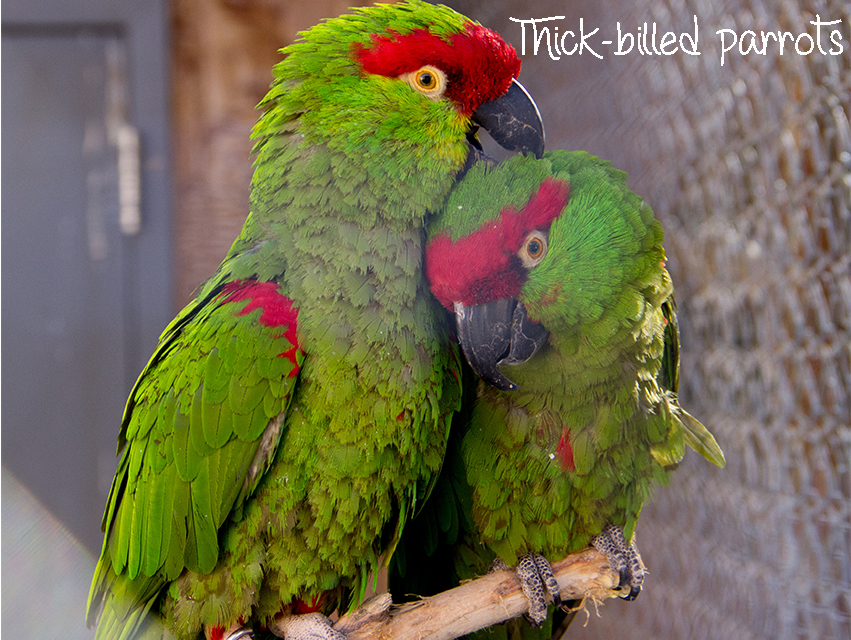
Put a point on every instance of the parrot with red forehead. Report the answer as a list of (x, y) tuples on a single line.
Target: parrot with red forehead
[(296, 412), (555, 273)]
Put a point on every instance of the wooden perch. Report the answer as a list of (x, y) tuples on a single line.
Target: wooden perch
[(477, 604)]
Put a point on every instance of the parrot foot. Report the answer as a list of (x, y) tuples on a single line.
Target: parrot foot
[(308, 626), (537, 581), (623, 558)]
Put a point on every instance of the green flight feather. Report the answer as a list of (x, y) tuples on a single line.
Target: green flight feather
[(177, 503)]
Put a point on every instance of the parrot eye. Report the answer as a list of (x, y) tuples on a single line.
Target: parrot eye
[(428, 80), (534, 249)]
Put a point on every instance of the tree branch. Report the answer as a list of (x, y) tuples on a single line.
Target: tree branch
[(477, 604)]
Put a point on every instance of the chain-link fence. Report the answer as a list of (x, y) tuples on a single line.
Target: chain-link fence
[(748, 166)]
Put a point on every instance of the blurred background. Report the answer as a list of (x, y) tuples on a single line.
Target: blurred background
[(125, 171)]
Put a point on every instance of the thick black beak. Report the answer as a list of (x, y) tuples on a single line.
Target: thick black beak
[(513, 120), (497, 333)]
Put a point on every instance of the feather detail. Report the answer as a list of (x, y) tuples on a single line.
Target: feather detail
[(155, 529), (698, 438)]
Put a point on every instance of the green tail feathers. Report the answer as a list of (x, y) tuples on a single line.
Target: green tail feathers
[(698, 438)]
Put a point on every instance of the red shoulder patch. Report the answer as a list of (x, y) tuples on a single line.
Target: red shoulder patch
[(479, 65), (277, 310), (483, 266)]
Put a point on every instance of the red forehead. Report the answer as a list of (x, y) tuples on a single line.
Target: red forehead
[(479, 65), (483, 266)]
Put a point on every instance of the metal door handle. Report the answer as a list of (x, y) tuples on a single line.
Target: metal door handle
[(129, 180)]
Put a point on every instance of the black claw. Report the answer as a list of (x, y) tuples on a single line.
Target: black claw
[(633, 594), (624, 580), (624, 558)]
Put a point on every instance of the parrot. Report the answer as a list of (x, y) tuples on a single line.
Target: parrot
[(295, 413), (555, 273)]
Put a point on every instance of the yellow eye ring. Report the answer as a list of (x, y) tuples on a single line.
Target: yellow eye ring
[(427, 80), (534, 249)]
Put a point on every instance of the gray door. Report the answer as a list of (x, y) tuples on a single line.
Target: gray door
[(64, 266), (86, 277)]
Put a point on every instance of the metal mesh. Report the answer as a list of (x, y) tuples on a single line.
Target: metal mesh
[(223, 52), (748, 166)]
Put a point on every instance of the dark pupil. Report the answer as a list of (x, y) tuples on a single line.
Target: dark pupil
[(426, 80), (534, 248)]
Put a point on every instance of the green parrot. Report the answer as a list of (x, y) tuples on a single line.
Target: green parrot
[(296, 411), (555, 269)]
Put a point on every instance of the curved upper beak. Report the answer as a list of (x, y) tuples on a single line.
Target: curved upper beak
[(497, 333), (513, 121)]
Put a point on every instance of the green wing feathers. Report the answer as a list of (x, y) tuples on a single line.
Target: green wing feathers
[(694, 434), (192, 438)]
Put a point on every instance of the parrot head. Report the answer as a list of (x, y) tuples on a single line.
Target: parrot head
[(402, 88), (533, 248), (472, 69)]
